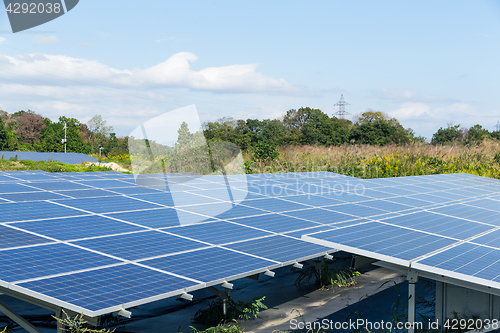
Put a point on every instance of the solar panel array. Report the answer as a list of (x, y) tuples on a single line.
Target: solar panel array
[(69, 158), (453, 229), (96, 242)]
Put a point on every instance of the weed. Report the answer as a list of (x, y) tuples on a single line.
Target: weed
[(78, 325), (235, 310)]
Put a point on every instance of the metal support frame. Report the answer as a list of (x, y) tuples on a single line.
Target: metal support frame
[(224, 295), (94, 321), (412, 278), (20, 320)]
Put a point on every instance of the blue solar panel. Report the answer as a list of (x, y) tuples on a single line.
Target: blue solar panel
[(107, 287), (273, 205), (485, 203), (201, 228), (275, 223), (154, 218), (470, 213), (411, 201), (491, 239), (385, 205), (69, 158), (218, 232), (35, 262), (77, 227), (312, 200), (58, 186), (440, 224), (356, 210), (163, 198), (108, 204), (106, 183), (385, 239), (320, 215), (131, 190), (15, 238), (32, 196), (15, 188), (468, 259), (33, 177), (140, 245), (87, 193), (280, 248), (24, 211), (210, 264)]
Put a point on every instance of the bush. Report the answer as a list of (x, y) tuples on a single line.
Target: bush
[(235, 310), (264, 151)]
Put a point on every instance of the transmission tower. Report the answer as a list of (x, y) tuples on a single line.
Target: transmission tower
[(341, 113), (497, 126)]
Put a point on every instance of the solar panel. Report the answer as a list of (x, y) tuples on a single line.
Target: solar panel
[(210, 264), (96, 242)]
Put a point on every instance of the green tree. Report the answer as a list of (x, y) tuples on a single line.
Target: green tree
[(377, 128), (476, 134), (99, 132), (447, 135)]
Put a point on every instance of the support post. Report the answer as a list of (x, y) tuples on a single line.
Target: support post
[(18, 319), (412, 278), (60, 326)]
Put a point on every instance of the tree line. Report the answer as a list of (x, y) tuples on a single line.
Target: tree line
[(27, 130)]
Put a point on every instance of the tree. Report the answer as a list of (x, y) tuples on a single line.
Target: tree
[(477, 134), (30, 126), (377, 128), (447, 135), (3, 136), (99, 131)]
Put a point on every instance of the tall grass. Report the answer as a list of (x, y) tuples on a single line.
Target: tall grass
[(367, 161)]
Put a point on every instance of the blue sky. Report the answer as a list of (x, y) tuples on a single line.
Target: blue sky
[(427, 63)]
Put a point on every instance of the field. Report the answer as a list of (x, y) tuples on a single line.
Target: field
[(366, 161), (362, 161)]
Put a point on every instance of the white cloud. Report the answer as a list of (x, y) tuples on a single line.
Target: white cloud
[(83, 44), (56, 85), (174, 72), (2, 40), (44, 39)]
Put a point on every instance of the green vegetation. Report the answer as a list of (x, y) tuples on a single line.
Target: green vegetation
[(78, 325), (49, 166), (29, 131), (235, 310)]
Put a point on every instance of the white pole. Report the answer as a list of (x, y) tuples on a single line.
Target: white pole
[(65, 139)]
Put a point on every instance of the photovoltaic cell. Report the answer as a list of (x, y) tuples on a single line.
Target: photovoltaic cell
[(108, 204), (154, 218), (273, 205), (107, 287), (10, 237), (218, 232), (140, 245), (386, 240), (470, 213), (35, 262), (320, 215), (58, 186), (275, 223), (210, 264), (32, 196), (24, 211), (279, 248), (77, 227), (78, 194), (441, 225)]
